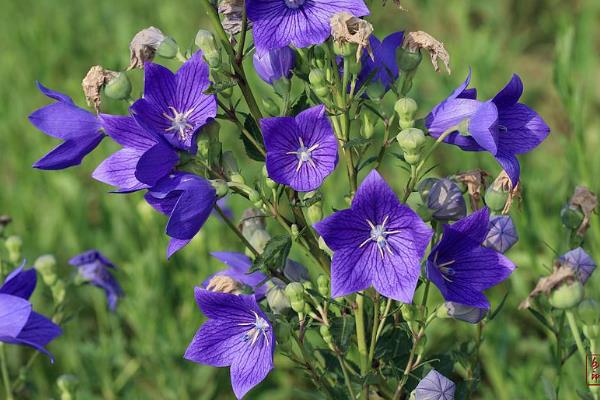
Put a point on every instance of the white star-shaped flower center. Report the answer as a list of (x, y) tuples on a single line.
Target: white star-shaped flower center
[(304, 154), (379, 235), (257, 328), (180, 124)]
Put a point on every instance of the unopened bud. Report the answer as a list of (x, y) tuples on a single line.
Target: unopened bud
[(425, 186), (323, 285), (344, 49), (567, 295), (317, 77), (326, 335), (46, 266), (168, 48), (14, 245), (315, 213), (259, 239), (295, 293), (206, 42), (411, 142), (220, 186), (375, 90), (496, 198), (409, 312), (67, 386), (119, 87), (406, 108), (571, 216), (408, 61)]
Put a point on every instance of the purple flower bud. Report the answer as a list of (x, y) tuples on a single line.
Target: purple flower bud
[(435, 386), (581, 262), (275, 64), (465, 313), (94, 268), (447, 201), (502, 234)]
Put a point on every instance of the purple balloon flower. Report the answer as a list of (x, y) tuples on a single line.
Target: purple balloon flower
[(144, 159), (95, 268), (435, 386), (502, 126), (237, 334), (239, 265), (502, 235), (378, 241), (581, 262), (79, 129), (272, 65), (461, 267), (301, 23), (188, 201), (174, 106), (382, 68), (472, 315), (19, 324), (446, 201), (301, 151)]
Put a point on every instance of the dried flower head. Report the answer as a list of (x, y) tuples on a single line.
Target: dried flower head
[(224, 284), (475, 181), (562, 273), (503, 183), (143, 46), (93, 82), (423, 40), (346, 28), (587, 201), (232, 11)]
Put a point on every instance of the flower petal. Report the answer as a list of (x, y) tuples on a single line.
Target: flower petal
[(69, 153), (119, 170), (127, 132), (156, 163), (510, 94), (14, 313), (20, 283)]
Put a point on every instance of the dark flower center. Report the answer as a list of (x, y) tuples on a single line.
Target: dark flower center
[(257, 328), (304, 154), (444, 268), (294, 3), (379, 235), (180, 123)]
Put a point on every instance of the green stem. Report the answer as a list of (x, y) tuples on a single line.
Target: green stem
[(235, 230), (376, 322), (233, 118), (361, 338), (5, 376), (346, 376), (576, 334)]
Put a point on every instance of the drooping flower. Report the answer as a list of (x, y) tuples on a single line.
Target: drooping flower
[(469, 314), (378, 241), (502, 234), (239, 265), (461, 267), (382, 69), (94, 268), (174, 106), (237, 335), (435, 386), (79, 129), (301, 151), (188, 201), (300, 23), (272, 65), (581, 262), (502, 126), (446, 200), (144, 159), (19, 324)]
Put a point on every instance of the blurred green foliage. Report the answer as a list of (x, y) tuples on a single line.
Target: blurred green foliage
[(137, 352)]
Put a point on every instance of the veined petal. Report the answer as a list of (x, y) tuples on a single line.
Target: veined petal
[(521, 129), (160, 86), (225, 306), (14, 313), (156, 163), (510, 94), (69, 153), (119, 170), (253, 364), (20, 283), (352, 269), (217, 343), (483, 127), (127, 132)]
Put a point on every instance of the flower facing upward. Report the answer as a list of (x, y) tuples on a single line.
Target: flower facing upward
[(95, 268), (144, 159), (435, 386), (461, 267), (174, 105), (378, 241), (274, 64), (502, 235), (18, 323), (237, 334), (239, 265), (188, 201), (502, 126), (79, 129), (301, 151), (383, 67), (581, 262), (301, 23)]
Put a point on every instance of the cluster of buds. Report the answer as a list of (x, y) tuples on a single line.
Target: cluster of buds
[(212, 54), (295, 293), (46, 266), (411, 140), (14, 245)]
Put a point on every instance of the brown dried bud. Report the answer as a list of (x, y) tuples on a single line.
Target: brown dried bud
[(422, 40), (475, 181), (93, 82), (587, 201), (347, 29), (143, 46), (224, 284), (232, 11), (561, 274)]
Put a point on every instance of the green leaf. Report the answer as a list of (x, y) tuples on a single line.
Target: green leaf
[(357, 142), (494, 313), (300, 104), (342, 329), (394, 343), (368, 161), (251, 150), (541, 318), (274, 256)]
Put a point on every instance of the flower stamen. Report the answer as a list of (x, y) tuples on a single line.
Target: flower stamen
[(304, 154), (179, 123), (379, 235), (259, 327)]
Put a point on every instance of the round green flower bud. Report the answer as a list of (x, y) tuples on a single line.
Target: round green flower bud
[(205, 41), (13, 245), (317, 78), (411, 140), (168, 48), (220, 186), (270, 106), (407, 60), (571, 216), (307, 308), (344, 49), (315, 213), (495, 199), (375, 90), (118, 88), (409, 312), (276, 298), (567, 295), (322, 91), (323, 285), (326, 334), (46, 266), (412, 158), (237, 178), (294, 291), (406, 108), (67, 386), (589, 312)]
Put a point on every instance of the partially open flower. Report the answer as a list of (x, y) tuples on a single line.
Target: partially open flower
[(446, 201), (464, 313), (502, 235), (346, 29), (435, 386), (415, 41), (581, 262), (93, 82)]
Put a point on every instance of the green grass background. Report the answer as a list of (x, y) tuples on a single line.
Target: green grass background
[(137, 352)]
